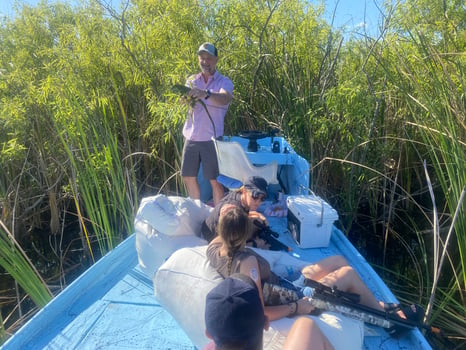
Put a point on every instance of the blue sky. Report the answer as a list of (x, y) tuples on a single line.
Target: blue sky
[(355, 14), (350, 13)]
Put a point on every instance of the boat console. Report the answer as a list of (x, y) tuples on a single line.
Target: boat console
[(276, 149)]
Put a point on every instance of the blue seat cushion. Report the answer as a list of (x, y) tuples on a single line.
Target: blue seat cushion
[(229, 182)]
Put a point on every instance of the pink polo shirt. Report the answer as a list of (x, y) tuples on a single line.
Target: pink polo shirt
[(198, 126)]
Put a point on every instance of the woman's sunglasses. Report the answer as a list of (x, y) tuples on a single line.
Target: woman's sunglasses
[(257, 197)]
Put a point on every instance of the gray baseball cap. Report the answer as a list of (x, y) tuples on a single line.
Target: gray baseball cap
[(209, 48)]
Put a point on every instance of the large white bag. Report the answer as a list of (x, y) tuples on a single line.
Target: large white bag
[(164, 224)]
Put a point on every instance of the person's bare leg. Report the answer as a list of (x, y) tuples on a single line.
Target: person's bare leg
[(217, 191), (324, 267), (305, 334), (192, 186), (347, 279), (335, 271)]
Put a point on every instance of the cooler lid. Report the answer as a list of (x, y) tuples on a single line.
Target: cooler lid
[(311, 207)]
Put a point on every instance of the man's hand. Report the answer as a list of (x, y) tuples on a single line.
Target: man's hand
[(197, 94), (184, 93)]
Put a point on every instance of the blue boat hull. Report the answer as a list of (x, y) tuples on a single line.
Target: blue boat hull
[(112, 305)]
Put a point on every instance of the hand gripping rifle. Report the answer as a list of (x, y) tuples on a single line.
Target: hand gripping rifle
[(270, 237), (346, 303)]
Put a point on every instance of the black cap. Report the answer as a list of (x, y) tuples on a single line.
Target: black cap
[(257, 185), (234, 311)]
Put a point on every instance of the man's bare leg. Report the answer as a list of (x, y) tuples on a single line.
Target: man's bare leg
[(217, 191), (192, 186)]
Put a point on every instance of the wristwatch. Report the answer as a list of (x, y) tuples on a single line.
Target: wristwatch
[(208, 93)]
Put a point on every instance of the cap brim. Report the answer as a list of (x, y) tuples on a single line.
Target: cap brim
[(206, 51)]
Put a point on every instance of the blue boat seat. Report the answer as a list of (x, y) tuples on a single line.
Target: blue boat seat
[(234, 165)]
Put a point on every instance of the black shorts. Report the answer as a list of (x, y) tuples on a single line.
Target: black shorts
[(197, 152)]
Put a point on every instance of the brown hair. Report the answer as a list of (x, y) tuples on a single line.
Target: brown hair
[(233, 228)]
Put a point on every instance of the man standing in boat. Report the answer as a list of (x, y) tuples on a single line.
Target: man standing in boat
[(213, 93)]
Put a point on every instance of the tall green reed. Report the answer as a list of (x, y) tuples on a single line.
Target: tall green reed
[(441, 100), (423, 120), (16, 262), (102, 180), (430, 86)]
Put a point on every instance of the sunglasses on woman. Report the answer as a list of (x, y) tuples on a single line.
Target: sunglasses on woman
[(257, 197)]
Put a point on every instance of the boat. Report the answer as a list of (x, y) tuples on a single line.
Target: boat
[(116, 303)]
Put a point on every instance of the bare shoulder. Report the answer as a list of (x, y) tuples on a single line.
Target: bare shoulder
[(249, 262)]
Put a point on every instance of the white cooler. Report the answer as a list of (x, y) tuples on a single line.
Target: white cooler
[(310, 220)]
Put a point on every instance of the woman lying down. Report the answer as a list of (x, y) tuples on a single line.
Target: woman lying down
[(228, 254)]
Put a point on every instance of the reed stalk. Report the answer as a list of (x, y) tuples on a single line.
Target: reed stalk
[(103, 187), (15, 261), (440, 123), (427, 83)]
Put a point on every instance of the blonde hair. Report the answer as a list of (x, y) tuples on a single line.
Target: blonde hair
[(233, 228)]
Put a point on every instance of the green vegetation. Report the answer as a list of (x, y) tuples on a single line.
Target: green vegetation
[(89, 124), (16, 263)]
